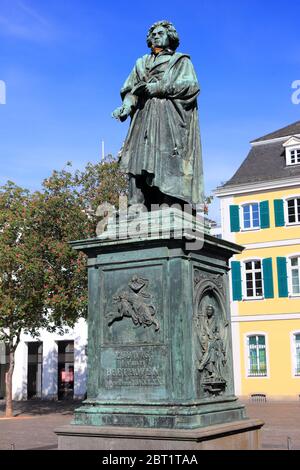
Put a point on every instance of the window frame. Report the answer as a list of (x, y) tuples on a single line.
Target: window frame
[(293, 352), (289, 274), (247, 355), (289, 150), (286, 210), (251, 228), (296, 149), (244, 279)]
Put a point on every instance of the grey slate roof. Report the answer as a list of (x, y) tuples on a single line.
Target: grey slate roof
[(264, 163), (291, 129)]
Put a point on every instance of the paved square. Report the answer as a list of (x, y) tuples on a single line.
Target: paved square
[(35, 420)]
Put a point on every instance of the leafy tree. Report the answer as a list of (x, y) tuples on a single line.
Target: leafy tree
[(101, 183), (42, 279), (21, 275), (207, 201), (65, 211)]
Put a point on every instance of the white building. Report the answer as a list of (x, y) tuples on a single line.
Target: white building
[(52, 366)]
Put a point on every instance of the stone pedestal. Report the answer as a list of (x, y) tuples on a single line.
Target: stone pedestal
[(159, 340), (238, 435)]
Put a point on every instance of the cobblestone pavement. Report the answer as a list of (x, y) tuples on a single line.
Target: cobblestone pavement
[(34, 422), (282, 423)]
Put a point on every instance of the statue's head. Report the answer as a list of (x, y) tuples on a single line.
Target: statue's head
[(210, 311), (163, 35)]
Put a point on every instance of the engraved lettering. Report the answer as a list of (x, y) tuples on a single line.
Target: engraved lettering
[(133, 369)]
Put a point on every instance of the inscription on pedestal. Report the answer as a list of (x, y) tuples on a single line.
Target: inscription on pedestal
[(133, 367)]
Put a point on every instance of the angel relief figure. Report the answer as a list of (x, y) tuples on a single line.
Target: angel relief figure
[(213, 353), (133, 304)]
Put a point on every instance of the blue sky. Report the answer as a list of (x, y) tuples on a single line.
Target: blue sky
[(64, 62)]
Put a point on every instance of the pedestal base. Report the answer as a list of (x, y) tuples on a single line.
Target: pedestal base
[(237, 435)]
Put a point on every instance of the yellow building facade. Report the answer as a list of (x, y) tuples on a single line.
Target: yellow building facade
[(260, 210)]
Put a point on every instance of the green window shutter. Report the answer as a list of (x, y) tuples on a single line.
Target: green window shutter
[(282, 277), (264, 214), (279, 213), (236, 280), (268, 278), (234, 219)]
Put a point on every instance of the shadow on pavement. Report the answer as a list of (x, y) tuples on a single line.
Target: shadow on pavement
[(41, 407)]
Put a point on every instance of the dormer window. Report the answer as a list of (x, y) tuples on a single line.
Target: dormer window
[(292, 151)]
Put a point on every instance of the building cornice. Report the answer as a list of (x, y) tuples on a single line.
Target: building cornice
[(261, 186), (272, 244), (273, 141), (265, 317)]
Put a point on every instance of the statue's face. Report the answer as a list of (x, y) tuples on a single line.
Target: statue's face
[(210, 310), (160, 38)]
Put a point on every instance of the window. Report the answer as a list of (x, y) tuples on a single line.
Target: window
[(292, 150), (294, 156), (253, 277), (297, 353), (294, 266), (4, 364), (251, 216), (257, 363), (65, 369), (34, 369), (293, 208)]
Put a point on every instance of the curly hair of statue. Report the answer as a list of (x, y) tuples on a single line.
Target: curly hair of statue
[(171, 30)]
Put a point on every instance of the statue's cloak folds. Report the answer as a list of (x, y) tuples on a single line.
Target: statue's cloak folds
[(163, 141)]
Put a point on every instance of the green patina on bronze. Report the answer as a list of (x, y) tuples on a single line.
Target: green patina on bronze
[(162, 151), (159, 341)]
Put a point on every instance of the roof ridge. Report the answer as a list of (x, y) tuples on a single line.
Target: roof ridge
[(263, 163), (285, 131)]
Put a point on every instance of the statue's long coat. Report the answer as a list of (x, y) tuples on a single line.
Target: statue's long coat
[(163, 140)]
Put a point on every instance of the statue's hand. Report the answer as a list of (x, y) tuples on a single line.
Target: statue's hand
[(139, 89), (121, 113)]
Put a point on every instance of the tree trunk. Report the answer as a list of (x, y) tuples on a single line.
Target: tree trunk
[(8, 383)]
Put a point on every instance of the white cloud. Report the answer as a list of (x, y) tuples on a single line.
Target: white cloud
[(33, 13), (20, 20)]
